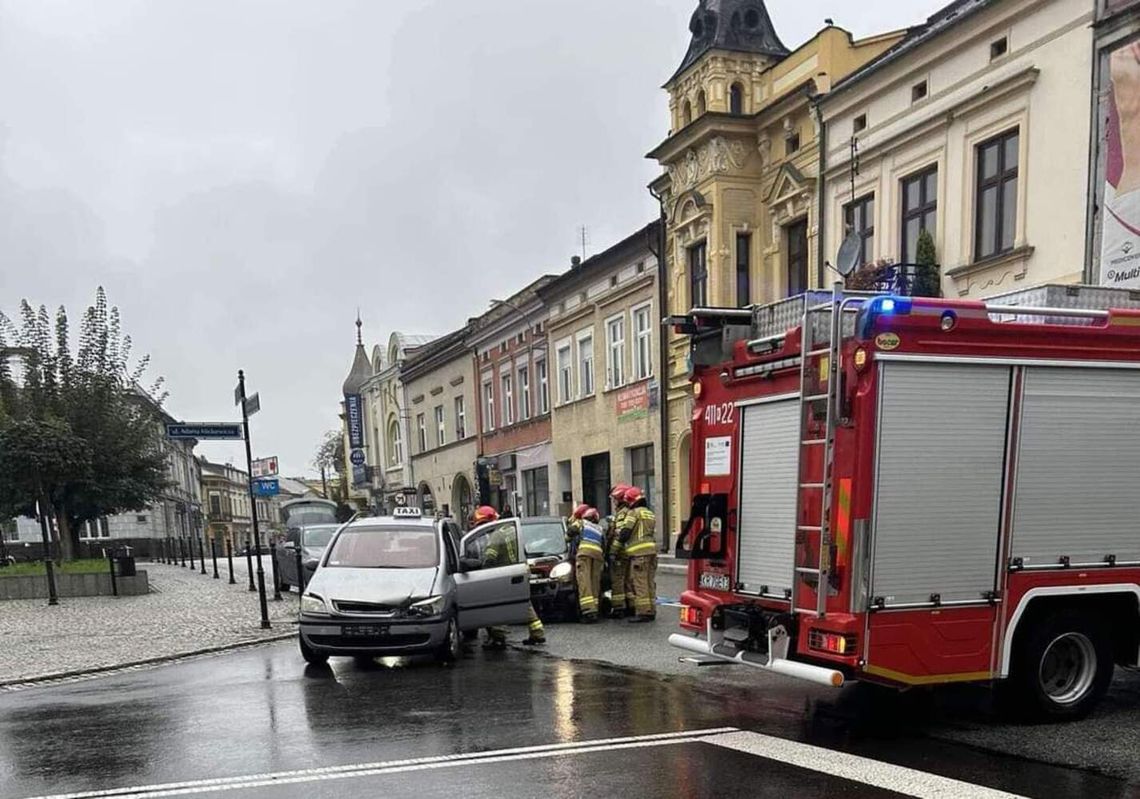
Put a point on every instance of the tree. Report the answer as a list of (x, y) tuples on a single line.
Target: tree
[(927, 281), (330, 454), (95, 395)]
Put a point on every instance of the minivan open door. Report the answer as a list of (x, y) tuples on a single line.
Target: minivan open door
[(492, 591)]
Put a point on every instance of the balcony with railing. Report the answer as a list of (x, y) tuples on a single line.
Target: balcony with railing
[(905, 280)]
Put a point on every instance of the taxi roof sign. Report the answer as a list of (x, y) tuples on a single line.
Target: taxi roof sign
[(407, 512)]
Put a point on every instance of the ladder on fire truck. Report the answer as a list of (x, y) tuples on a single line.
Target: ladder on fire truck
[(821, 335)]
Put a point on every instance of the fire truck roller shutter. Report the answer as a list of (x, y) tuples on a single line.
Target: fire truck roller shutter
[(941, 456), (1078, 466), (769, 469)]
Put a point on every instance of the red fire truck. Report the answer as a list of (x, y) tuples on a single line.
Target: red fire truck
[(914, 491)]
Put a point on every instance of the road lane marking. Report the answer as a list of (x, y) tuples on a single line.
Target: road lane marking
[(392, 766), (855, 768)]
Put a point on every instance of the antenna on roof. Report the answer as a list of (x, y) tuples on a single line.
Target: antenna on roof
[(584, 236)]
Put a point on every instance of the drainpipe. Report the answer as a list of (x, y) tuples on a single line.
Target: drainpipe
[(820, 256), (663, 376)]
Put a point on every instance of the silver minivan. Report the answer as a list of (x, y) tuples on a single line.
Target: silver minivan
[(398, 585)]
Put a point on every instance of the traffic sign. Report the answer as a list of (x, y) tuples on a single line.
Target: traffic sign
[(357, 457), (265, 467), (252, 404), (221, 431), (267, 487), (401, 500)]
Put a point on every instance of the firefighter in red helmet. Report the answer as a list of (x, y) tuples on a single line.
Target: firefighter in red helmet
[(588, 547), (637, 533), (621, 595), (503, 550)]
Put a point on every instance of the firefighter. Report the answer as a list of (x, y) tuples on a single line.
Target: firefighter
[(502, 550), (587, 543), (621, 597), (637, 533)]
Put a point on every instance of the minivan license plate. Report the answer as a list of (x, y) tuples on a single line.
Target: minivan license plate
[(364, 631), (717, 582)]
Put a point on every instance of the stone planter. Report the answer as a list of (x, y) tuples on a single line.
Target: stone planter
[(34, 586)]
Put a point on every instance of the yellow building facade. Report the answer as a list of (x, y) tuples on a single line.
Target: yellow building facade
[(739, 191)]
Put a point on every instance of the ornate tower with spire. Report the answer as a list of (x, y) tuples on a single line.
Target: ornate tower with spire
[(739, 183)]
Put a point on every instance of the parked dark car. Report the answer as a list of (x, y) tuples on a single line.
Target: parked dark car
[(311, 540), (553, 589)]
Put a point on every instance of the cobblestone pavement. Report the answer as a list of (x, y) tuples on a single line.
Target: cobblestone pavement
[(185, 612)]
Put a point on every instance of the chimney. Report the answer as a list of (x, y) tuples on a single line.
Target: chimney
[(575, 262)]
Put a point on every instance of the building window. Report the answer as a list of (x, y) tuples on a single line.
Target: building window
[(565, 373), (615, 352), (702, 104), (859, 217), (488, 407), (996, 200), (507, 399), (215, 505), (918, 92), (536, 491), (421, 426), (460, 419), (395, 444), (543, 386), (686, 113), (641, 471), (797, 248), (698, 275), (585, 363), (736, 99), (919, 210), (792, 144), (643, 346), (859, 124), (999, 48), (743, 269), (440, 427), (524, 393)]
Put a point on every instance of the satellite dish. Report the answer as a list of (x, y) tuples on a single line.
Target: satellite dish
[(850, 253)]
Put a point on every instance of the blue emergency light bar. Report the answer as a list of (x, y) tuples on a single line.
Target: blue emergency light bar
[(881, 306)]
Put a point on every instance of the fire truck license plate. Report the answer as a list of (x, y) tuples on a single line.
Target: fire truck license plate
[(717, 582)]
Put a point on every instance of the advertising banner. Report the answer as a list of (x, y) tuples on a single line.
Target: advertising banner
[(633, 402), (1120, 209), (354, 413)]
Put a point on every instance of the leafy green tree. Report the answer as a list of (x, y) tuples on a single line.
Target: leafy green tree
[(95, 393)]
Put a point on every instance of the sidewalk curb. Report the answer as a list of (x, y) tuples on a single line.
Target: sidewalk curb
[(58, 676), (672, 568)]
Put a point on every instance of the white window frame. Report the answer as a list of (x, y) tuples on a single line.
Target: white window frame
[(565, 374), (421, 429), (542, 375), (615, 352), (460, 418), (587, 378), (440, 426), (523, 380), (642, 369), (507, 398), (488, 390)]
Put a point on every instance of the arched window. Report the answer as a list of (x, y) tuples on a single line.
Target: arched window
[(686, 113), (701, 106), (395, 444), (736, 99)]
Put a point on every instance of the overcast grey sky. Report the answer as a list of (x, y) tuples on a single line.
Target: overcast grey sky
[(241, 175)]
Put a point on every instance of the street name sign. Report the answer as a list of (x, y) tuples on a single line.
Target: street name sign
[(266, 487), (205, 431)]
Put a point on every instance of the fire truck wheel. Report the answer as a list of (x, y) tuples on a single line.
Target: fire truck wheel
[(1062, 666)]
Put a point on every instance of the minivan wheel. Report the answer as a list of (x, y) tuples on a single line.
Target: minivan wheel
[(452, 647), (1062, 667), (311, 655)]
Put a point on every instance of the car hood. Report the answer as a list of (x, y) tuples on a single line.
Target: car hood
[(380, 586)]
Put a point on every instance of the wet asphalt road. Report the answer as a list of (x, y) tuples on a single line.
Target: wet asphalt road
[(512, 724)]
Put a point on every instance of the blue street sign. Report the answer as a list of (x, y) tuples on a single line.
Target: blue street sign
[(266, 487), (357, 457), (223, 431)]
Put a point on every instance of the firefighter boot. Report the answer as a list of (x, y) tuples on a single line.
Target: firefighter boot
[(537, 635)]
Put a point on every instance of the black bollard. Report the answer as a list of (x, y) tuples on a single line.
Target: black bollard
[(276, 582), (214, 556), (114, 582), (201, 556), (249, 564), (300, 571), (182, 550), (230, 561), (190, 546)]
